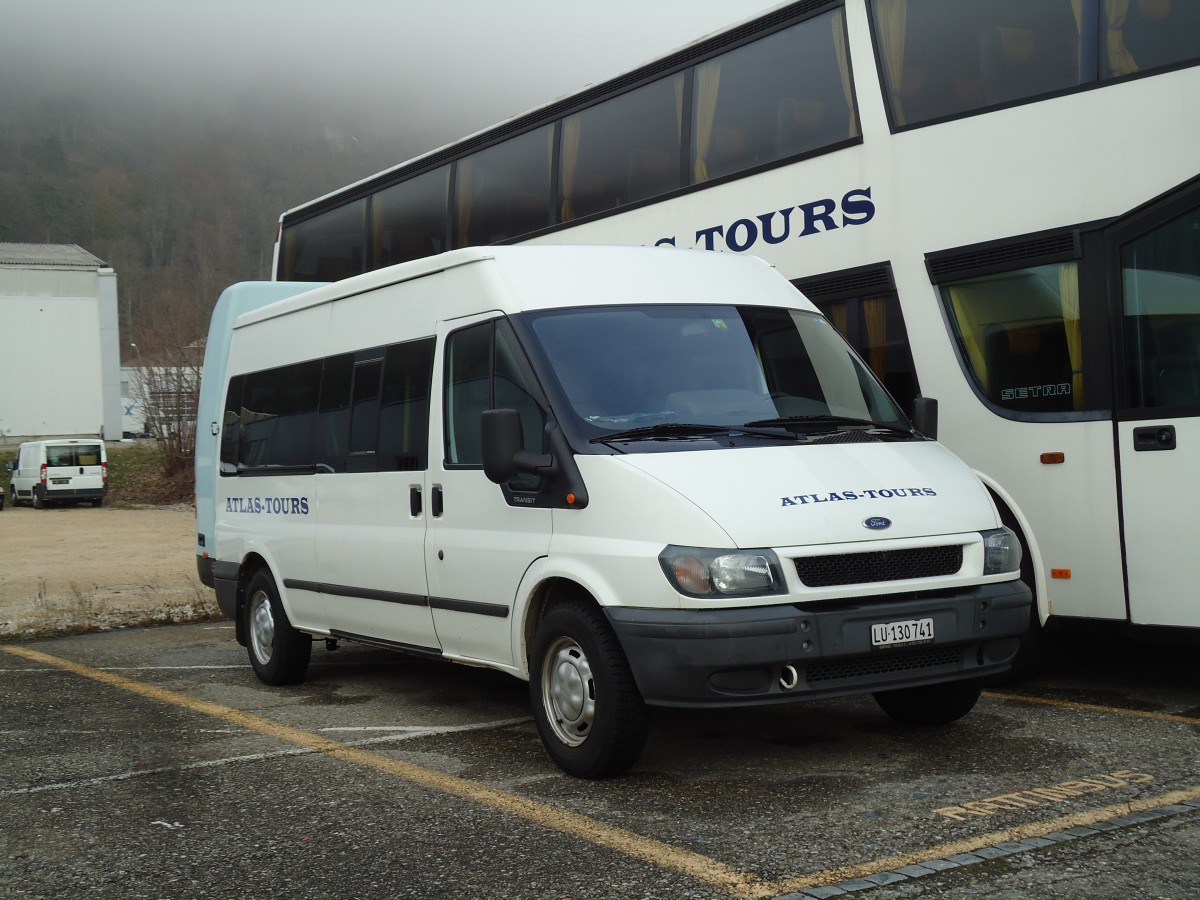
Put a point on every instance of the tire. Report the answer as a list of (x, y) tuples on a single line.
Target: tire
[(931, 704), (38, 502), (278, 653), (98, 502), (585, 702)]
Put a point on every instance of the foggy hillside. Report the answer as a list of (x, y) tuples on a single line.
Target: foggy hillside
[(180, 198)]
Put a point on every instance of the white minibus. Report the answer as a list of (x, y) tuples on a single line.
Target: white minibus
[(635, 477)]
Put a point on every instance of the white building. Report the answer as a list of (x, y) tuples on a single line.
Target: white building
[(59, 344)]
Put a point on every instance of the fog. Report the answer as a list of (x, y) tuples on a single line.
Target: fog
[(439, 70)]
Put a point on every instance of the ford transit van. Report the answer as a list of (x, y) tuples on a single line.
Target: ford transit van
[(633, 477)]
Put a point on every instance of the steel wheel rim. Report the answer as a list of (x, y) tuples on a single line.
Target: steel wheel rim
[(262, 627), (568, 692)]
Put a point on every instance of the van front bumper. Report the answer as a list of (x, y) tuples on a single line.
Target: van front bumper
[(773, 654)]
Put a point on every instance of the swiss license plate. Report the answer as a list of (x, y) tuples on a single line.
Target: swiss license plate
[(892, 634)]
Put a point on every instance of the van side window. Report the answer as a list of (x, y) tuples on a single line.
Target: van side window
[(333, 424), (278, 415), (231, 426), (404, 406), (364, 416), (486, 369)]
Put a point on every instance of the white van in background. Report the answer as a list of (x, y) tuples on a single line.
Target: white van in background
[(60, 471), (631, 476)]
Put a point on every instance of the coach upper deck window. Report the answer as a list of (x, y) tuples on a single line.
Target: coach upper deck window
[(782, 96), (505, 190), (410, 220), (327, 247), (622, 150)]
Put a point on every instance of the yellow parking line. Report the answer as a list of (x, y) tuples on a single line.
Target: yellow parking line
[(1095, 707), (969, 845), (701, 868)]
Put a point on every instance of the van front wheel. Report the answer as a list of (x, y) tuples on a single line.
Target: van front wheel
[(585, 702), (931, 704), (278, 653)]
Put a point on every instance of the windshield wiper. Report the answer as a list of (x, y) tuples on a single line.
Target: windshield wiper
[(826, 421), (684, 431), (662, 430)]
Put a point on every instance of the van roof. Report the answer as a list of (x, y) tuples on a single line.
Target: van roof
[(546, 276)]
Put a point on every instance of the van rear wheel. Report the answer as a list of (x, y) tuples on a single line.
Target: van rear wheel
[(931, 704), (279, 653), (585, 702), (38, 501)]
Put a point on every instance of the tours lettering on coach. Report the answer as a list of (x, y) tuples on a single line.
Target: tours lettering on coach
[(855, 208)]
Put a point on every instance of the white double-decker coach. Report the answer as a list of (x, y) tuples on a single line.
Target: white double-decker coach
[(996, 202)]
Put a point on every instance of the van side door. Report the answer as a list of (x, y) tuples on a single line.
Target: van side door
[(482, 537)]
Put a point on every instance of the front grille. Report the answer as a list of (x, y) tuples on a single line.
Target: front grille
[(885, 662), (881, 565)]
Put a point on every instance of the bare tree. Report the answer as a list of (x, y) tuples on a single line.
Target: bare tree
[(166, 378)]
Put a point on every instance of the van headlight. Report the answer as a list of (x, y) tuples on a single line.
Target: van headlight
[(1001, 551), (701, 572)]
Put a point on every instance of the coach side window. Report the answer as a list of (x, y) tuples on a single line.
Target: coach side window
[(1021, 336)]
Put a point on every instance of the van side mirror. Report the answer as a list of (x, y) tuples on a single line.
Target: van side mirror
[(925, 416), (11, 465), (504, 453)]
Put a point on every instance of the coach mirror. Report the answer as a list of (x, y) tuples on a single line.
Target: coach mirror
[(504, 453)]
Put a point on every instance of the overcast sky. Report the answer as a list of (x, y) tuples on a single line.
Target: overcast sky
[(473, 62)]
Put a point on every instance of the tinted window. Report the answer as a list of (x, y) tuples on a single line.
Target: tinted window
[(946, 57), (327, 247), (404, 406), (231, 426), (279, 411), (505, 190), (333, 427), (1021, 336), (622, 150), (1148, 34), (1161, 290), (410, 220), (874, 326), (364, 417), (782, 96)]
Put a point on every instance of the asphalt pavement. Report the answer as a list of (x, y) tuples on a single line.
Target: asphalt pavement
[(151, 763)]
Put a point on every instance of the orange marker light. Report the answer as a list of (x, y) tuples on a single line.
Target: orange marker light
[(1060, 573), (570, 499), (1053, 459)]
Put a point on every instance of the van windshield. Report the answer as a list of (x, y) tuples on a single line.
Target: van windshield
[(624, 369), (72, 455)]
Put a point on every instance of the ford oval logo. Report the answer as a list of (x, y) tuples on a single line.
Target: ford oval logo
[(877, 523)]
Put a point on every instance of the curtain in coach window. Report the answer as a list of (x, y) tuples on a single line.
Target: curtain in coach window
[(570, 164), (843, 63), (708, 83), (892, 18), (1068, 287), (1120, 60)]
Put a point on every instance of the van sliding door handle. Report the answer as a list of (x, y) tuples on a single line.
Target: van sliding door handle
[(414, 502), (1154, 437)]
